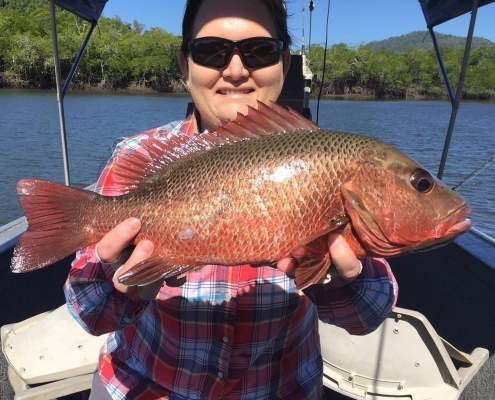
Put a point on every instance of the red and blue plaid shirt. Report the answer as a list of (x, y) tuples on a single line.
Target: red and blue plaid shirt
[(229, 332)]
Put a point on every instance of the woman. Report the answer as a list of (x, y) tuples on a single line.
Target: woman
[(223, 332)]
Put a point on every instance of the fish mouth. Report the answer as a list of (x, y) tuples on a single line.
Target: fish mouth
[(447, 230), (454, 224)]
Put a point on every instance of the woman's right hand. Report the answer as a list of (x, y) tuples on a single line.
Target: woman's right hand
[(111, 246)]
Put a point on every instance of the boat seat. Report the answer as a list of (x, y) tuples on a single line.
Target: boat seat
[(403, 359), (50, 355)]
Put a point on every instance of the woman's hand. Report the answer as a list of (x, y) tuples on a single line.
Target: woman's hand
[(110, 249), (347, 264)]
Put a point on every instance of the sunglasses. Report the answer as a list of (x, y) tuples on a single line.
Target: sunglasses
[(216, 52)]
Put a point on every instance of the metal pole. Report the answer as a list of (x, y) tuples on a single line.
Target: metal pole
[(76, 62), (311, 8), (60, 95), (303, 47), (458, 92), (443, 70)]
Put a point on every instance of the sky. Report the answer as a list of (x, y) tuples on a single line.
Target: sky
[(352, 22)]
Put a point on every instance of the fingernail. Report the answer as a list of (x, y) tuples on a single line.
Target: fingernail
[(133, 224), (339, 244)]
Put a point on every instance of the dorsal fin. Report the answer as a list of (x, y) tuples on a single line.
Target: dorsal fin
[(134, 169), (293, 117), (267, 120)]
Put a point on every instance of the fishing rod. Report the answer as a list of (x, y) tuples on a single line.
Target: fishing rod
[(476, 172), (324, 63)]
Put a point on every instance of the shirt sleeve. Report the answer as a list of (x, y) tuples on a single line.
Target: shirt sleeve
[(361, 305), (93, 300)]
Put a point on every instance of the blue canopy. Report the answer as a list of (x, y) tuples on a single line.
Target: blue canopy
[(437, 12), (90, 10)]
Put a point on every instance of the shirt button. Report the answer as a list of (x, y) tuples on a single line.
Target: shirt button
[(225, 339), (126, 320), (228, 296), (220, 375)]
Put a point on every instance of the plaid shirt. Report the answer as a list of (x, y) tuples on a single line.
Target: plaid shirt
[(229, 332)]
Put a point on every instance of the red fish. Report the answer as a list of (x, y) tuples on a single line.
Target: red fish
[(253, 192)]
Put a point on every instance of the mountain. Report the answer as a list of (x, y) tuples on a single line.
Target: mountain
[(422, 40)]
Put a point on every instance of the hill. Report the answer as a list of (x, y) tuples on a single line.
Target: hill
[(422, 40)]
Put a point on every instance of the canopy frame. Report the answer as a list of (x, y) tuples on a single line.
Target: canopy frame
[(90, 14), (455, 98)]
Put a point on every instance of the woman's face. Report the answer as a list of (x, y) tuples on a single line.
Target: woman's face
[(219, 93)]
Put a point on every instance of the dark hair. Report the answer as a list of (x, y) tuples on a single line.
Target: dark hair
[(277, 9)]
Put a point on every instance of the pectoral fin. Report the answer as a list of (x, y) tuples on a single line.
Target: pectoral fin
[(311, 271), (315, 268), (152, 269)]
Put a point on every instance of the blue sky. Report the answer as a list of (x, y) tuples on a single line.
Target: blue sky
[(351, 21)]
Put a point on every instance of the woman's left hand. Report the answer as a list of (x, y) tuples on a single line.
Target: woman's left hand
[(343, 258)]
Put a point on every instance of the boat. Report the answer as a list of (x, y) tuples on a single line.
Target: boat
[(438, 343)]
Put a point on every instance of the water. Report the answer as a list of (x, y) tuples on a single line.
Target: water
[(30, 137)]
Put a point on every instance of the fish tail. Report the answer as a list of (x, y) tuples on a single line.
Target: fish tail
[(55, 230)]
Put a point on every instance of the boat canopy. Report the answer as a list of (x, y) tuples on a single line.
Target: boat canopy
[(90, 10), (437, 12)]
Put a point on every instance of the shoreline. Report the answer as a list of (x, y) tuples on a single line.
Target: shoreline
[(410, 94)]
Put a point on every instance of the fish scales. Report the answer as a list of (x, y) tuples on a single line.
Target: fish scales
[(224, 206)]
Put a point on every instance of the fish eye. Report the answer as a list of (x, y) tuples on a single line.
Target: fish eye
[(422, 180)]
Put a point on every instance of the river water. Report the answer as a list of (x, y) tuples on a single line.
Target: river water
[(31, 144)]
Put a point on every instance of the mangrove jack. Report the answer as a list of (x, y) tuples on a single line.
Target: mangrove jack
[(252, 192)]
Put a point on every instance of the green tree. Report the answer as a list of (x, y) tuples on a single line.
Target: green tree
[(122, 55), (26, 5)]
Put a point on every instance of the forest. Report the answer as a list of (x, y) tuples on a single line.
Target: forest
[(126, 56)]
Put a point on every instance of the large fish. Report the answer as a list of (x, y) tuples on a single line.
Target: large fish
[(254, 191)]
